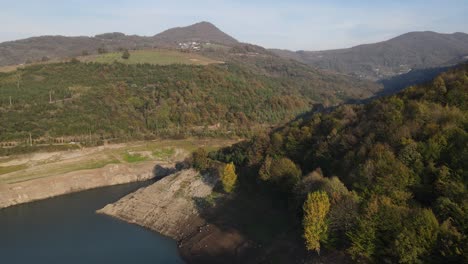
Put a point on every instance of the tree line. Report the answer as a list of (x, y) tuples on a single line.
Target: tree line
[(381, 182)]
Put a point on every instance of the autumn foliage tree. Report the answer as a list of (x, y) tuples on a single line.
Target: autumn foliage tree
[(315, 225), (229, 177), (391, 187)]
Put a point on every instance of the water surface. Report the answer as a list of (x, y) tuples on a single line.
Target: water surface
[(66, 229)]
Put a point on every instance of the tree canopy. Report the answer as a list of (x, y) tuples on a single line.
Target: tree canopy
[(393, 170)]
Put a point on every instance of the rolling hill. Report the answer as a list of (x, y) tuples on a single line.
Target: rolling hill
[(414, 50), (60, 47), (89, 101)]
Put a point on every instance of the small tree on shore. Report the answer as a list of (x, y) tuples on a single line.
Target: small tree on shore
[(200, 159), (126, 55), (229, 177)]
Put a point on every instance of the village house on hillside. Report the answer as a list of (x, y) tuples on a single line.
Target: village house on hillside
[(190, 45)]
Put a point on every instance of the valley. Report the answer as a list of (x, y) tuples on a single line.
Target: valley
[(190, 145)]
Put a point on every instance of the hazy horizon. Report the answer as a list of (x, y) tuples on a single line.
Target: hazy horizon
[(296, 25)]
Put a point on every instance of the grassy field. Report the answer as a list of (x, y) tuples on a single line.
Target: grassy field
[(8, 169), (38, 165), (160, 57), (156, 56), (8, 68)]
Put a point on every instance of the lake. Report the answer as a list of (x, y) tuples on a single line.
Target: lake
[(66, 229)]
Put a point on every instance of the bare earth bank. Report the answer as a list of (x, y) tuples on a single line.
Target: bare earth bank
[(174, 207), (184, 207), (47, 187)]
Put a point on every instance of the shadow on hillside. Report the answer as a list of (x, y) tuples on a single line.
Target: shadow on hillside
[(418, 76), (391, 86), (244, 227), (160, 171)]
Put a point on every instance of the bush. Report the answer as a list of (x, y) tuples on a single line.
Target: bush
[(126, 55)]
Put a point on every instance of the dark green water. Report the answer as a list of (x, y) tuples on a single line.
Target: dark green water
[(67, 230)]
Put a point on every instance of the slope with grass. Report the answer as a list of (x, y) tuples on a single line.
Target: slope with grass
[(156, 57)]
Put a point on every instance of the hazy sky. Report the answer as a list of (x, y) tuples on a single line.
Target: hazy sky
[(291, 24)]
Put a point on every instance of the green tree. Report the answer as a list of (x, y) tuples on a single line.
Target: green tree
[(285, 173), (363, 238), (450, 244), (417, 237), (315, 225), (126, 55), (200, 159), (264, 172), (102, 50), (229, 177)]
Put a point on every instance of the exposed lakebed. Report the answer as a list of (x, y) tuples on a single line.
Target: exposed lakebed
[(66, 229)]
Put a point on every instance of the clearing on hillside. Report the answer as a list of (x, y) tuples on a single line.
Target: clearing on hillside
[(157, 56)]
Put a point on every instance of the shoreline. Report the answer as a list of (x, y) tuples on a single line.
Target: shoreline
[(76, 181), (41, 175), (176, 207)]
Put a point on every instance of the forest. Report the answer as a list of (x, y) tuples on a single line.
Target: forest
[(88, 102), (383, 182)]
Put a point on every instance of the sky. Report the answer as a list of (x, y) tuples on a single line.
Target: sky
[(286, 24)]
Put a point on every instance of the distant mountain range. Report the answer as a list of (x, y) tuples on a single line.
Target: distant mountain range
[(378, 61), (34, 49), (399, 55)]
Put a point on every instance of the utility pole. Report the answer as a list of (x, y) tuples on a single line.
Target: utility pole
[(30, 139), (18, 77), (10, 102), (50, 97)]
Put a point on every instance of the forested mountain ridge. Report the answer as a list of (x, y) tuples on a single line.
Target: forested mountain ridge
[(91, 100), (413, 50), (389, 178), (61, 47)]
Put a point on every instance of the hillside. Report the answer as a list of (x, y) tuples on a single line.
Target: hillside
[(201, 32), (90, 102), (388, 178), (414, 50), (61, 47), (151, 56)]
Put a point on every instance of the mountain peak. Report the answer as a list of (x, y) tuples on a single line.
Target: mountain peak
[(201, 31), (111, 35), (204, 23)]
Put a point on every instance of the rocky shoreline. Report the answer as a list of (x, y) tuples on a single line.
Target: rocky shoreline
[(168, 206), (47, 187), (177, 206)]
